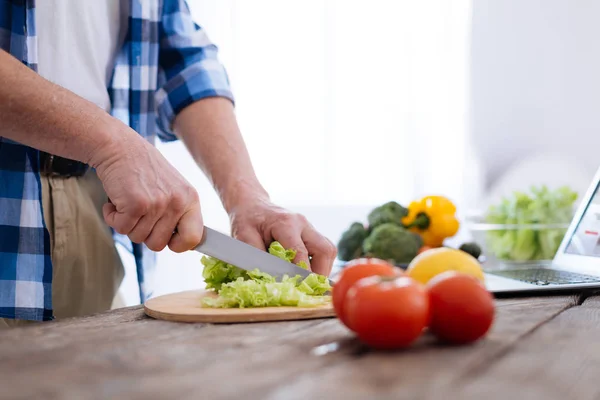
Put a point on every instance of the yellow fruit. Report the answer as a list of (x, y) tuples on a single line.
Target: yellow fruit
[(435, 261)]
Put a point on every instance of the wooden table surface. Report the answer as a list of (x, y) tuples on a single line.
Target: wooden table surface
[(539, 348)]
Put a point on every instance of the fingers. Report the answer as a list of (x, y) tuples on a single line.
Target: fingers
[(190, 231), (251, 237), (157, 221), (294, 231), (149, 198), (162, 234), (146, 225), (290, 236), (142, 230), (323, 252), (108, 211), (122, 222)]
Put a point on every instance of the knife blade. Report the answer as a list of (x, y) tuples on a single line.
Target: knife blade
[(245, 256)]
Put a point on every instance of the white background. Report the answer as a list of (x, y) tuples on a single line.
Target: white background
[(535, 80)]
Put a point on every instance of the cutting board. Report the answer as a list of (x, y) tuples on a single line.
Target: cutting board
[(186, 307)]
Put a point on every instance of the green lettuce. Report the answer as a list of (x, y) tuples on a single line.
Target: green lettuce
[(251, 293), (315, 284), (541, 206), (239, 288), (217, 272), (277, 250)]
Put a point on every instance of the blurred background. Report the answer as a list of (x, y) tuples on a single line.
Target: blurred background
[(346, 104)]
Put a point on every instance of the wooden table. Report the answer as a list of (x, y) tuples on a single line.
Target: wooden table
[(539, 348)]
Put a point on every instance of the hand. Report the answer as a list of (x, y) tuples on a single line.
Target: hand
[(148, 197), (260, 222)]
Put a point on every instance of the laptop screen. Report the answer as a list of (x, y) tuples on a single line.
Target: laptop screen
[(585, 240)]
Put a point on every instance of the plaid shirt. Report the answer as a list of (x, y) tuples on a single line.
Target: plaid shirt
[(166, 63)]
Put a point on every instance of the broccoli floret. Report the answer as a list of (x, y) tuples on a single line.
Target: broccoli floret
[(471, 248), (392, 243), (419, 239), (350, 243), (388, 212)]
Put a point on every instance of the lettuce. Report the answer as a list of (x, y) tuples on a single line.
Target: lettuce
[(217, 272), (277, 250), (239, 288), (540, 206), (315, 284), (259, 293)]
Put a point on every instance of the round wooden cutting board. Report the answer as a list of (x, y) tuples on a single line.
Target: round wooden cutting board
[(187, 307)]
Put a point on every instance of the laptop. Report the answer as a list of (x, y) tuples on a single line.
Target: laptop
[(575, 266)]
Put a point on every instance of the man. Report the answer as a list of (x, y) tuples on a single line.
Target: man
[(85, 86)]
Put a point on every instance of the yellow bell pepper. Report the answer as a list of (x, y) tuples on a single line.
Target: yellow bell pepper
[(432, 217)]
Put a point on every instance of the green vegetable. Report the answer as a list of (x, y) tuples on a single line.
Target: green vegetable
[(471, 248), (217, 272), (390, 212), (350, 243), (540, 206), (278, 250), (239, 288), (391, 242), (525, 245), (418, 238), (314, 285), (549, 241), (260, 293)]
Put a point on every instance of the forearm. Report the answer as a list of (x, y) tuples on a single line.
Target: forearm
[(210, 132), (47, 117)]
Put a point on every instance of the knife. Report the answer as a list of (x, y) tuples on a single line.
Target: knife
[(245, 256)]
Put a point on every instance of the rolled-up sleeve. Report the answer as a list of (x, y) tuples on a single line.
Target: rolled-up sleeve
[(189, 68)]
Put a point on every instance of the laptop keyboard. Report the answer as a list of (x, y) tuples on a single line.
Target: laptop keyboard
[(544, 276)]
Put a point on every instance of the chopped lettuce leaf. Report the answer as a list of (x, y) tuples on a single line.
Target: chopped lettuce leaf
[(238, 288), (250, 293), (303, 264), (217, 272), (313, 301), (257, 275), (315, 284), (278, 250)]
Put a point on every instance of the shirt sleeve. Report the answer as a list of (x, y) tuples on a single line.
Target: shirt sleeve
[(189, 68)]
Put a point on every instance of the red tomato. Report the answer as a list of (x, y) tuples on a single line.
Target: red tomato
[(387, 312), (352, 272), (462, 308)]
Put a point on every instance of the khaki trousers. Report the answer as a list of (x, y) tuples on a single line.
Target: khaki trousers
[(87, 269)]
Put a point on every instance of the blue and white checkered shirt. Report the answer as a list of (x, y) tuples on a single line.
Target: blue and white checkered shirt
[(166, 63)]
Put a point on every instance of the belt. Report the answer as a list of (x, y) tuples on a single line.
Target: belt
[(51, 165)]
